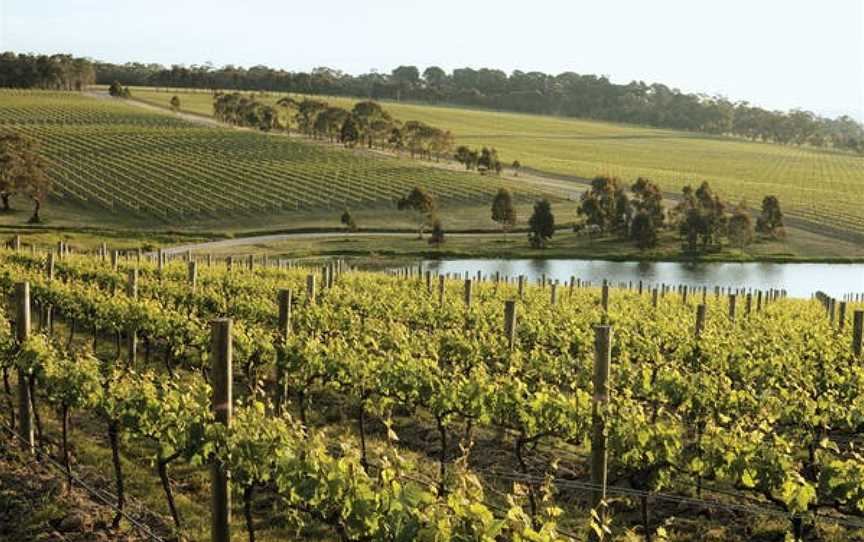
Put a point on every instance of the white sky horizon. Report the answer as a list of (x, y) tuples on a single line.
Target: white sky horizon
[(774, 54)]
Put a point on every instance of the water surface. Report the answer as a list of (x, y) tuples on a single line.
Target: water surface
[(798, 279)]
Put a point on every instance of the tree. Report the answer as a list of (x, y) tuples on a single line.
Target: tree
[(649, 214), (606, 206), (770, 220), (463, 155), (643, 230), (350, 133), (405, 78), (437, 236), (372, 120), (115, 89), (488, 160), (422, 203), (702, 216), (23, 170), (542, 224), (739, 230), (35, 182), (516, 166), (502, 210), (348, 221), (175, 103)]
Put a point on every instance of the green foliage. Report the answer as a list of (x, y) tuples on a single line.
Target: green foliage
[(542, 224), (702, 217), (765, 404), (422, 203), (739, 229), (770, 221), (502, 209), (347, 220), (606, 206), (436, 237), (174, 103)]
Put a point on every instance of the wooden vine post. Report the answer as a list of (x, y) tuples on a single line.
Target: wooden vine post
[(22, 333), (510, 323), (192, 274), (468, 292), (48, 310), (310, 289), (857, 332), (700, 320), (132, 334), (841, 321), (220, 361), (732, 302), (284, 330), (599, 454), (441, 289), (604, 299)]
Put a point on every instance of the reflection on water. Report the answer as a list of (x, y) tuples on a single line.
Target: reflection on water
[(799, 279)]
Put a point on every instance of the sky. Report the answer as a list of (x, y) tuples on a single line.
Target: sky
[(779, 54)]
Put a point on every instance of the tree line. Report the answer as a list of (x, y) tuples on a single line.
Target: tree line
[(565, 94), (48, 72), (366, 124), (700, 217)]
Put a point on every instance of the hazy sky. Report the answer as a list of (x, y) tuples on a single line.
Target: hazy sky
[(774, 53)]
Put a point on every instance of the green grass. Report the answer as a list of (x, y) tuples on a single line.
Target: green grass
[(385, 251), (139, 168), (820, 186)]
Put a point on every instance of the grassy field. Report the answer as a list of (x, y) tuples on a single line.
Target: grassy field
[(820, 186), (118, 164)]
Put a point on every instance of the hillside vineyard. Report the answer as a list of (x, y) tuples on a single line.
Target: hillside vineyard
[(117, 157), (820, 186), (538, 402)]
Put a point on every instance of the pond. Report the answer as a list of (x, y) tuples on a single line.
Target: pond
[(798, 279)]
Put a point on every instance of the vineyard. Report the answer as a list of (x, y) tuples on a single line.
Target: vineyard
[(817, 185), (117, 157), (403, 406)]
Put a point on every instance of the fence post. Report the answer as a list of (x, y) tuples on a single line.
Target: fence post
[(429, 282), (468, 285), (220, 361), (553, 298), (749, 304), (22, 333), (654, 298), (284, 330), (732, 299), (510, 322), (521, 286), (599, 456)]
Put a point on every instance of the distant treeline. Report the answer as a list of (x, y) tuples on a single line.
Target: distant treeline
[(49, 72), (566, 94)]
